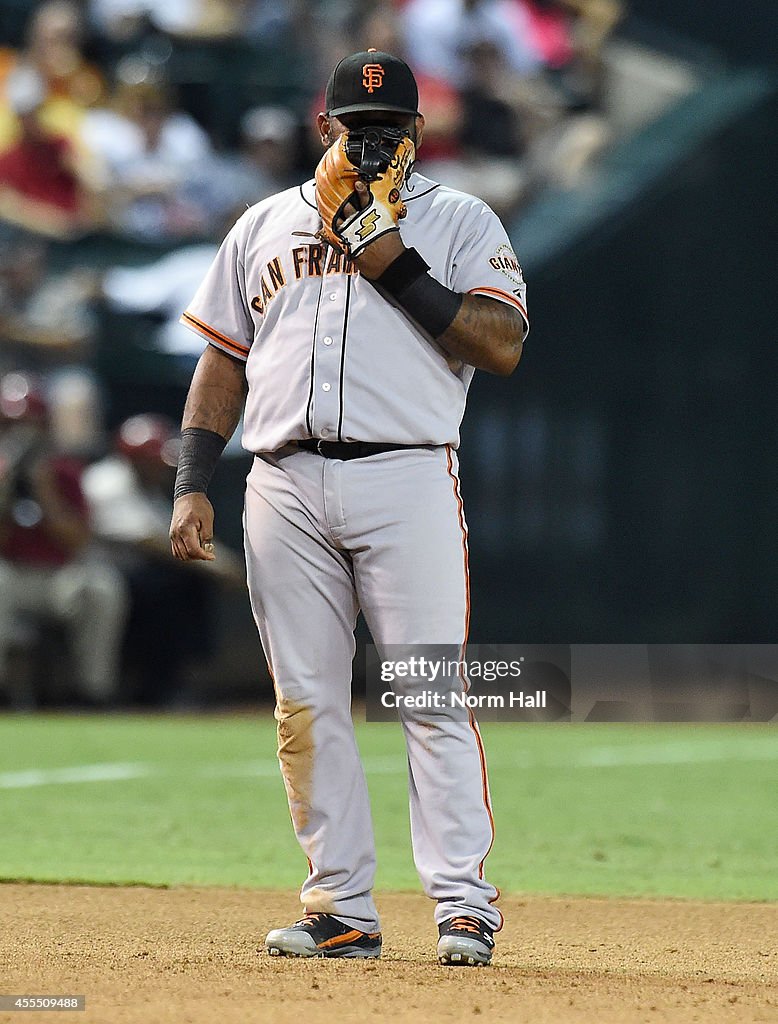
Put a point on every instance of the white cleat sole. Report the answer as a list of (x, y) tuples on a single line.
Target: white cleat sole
[(461, 952), (349, 954), (302, 946), (289, 943), (275, 951)]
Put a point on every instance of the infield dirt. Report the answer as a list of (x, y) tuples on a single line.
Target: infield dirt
[(195, 956)]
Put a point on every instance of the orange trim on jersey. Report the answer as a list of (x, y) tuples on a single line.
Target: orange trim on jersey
[(471, 717), (503, 296), (213, 335)]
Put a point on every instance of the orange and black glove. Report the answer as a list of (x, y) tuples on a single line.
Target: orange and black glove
[(383, 158)]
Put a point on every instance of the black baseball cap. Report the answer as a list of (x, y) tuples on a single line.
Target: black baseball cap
[(371, 80)]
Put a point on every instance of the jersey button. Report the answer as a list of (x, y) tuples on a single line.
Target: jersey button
[(333, 296), (326, 387), (328, 341), (325, 431)]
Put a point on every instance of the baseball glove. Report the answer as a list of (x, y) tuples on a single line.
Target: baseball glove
[(381, 157)]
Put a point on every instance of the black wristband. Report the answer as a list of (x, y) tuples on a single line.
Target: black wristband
[(408, 267), (200, 451), (433, 306)]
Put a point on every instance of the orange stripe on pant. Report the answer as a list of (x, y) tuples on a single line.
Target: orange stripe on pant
[(470, 716)]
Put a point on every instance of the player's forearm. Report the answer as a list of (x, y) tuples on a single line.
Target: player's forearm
[(211, 414), (486, 334), (216, 394), (478, 330)]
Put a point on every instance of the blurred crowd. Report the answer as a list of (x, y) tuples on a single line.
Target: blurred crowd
[(92, 606), (155, 123), (103, 124)]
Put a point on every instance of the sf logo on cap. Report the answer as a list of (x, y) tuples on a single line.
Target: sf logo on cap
[(372, 76)]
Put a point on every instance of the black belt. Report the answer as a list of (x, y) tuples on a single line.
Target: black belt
[(351, 449)]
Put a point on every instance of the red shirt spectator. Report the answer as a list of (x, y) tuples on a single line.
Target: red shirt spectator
[(40, 179), (38, 169), (26, 539), (549, 32)]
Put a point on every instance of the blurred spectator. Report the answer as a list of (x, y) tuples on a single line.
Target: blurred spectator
[(490, 126), (76, 410), (48, 322), (492, 164), (438, 32), (170, 626), (548, 28), (53, 48), (47, 569), (46, 185), (538, 130), (562, 106), (163, 289), (122, 20), (591, 23), (44, 317), (158, 291), (269, 148), (269, 21), (149, 151), (225, 184), (570, 35)]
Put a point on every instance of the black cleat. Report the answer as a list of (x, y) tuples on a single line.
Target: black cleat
[(322, 935), (465, 942)]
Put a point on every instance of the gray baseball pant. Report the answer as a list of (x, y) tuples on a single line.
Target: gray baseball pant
[(386, 534)]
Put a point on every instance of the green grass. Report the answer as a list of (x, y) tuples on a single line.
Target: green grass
[(665, 810)]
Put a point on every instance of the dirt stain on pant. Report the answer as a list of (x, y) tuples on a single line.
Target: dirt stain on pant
[(317, 901), (295, 753)]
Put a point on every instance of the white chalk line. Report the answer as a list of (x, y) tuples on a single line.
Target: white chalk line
[(123, 772), (116, 772), (745, 749), (755, 749)]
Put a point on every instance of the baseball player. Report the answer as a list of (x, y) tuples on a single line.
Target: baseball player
[(350, 314)]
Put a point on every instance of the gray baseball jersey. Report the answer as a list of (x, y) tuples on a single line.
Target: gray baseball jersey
[(329, 357), (315, 336)]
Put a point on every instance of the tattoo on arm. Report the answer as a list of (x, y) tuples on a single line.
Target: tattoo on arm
[(486, 333), (216, 394)]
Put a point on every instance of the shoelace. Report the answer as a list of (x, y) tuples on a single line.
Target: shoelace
[(309, 919), (466, 924)]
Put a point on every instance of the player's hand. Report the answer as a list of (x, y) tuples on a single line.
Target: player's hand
[(356, 215), (374, 260), (191, 528)]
